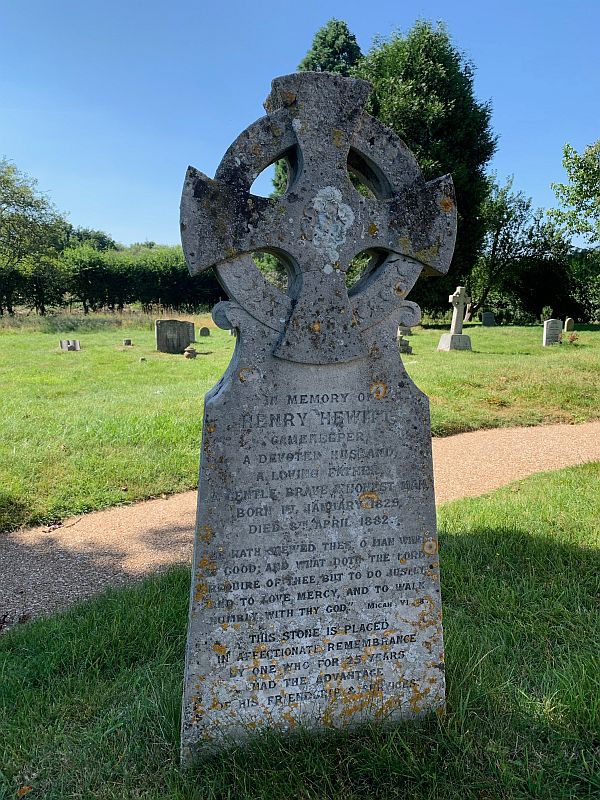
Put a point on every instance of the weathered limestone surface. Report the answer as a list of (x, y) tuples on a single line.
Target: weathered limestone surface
[(315, 589), (553, 329), (173, 335)]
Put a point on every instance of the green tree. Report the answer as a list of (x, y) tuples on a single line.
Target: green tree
[(518, 245), (334, 49), (29, 224), (423, 90), (580, 197), (96, 239)]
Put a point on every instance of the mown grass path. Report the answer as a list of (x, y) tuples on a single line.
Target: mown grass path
[(98, 428), (90, 700)]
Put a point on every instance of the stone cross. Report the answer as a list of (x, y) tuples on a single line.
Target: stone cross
[(459, 301), (321, 222), (315, 581), (456, 339)]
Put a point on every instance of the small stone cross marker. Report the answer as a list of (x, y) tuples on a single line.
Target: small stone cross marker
[(456, 339), (459, 301)]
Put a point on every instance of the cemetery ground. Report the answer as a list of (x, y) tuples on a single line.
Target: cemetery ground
[(101, 427), (90, 699)]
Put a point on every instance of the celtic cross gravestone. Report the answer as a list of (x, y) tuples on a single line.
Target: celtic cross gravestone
[(315, 593), (456, 339)]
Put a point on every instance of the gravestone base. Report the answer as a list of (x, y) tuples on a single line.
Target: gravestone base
[(454, 341)]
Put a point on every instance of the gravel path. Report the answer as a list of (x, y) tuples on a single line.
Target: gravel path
[(47, 568)]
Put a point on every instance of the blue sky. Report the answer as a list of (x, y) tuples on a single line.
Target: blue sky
[(106, 103)]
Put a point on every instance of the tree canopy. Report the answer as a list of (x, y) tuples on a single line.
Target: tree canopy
[(423, 90), (30, 228), (334, 49), (580, 197)]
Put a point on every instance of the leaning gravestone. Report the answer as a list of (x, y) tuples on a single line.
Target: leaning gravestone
[(173, 335), (569, 324), (456, 339), (552, 332), (488, 320), (315, 594)]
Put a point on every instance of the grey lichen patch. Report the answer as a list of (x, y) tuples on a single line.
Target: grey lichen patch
[(333, 219)]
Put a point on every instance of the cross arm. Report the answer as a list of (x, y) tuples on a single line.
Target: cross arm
[(220, 222)]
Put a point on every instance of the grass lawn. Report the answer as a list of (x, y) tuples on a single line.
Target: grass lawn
[(87, 430), (90, 700)]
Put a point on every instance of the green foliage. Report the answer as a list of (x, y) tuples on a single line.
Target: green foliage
[(30, 228), (334, 49), (584, 267), (423, 90), (96, 239), (523, 256), (580, 197), (90, 700)]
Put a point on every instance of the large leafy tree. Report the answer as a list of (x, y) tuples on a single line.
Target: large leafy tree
[(30, 227), (580, 197), (423, 90)]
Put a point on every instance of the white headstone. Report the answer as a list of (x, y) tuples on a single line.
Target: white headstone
[(456, 339)]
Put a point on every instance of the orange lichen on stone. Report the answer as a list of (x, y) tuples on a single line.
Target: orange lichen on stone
[(201, 591), (373, 229), (220, 649), (378, 389), (315, 326), (430, 547), (446, 204), (205, 533), (207, 564), (368, 499)]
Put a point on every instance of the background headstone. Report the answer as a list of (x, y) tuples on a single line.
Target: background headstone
[(70, 344), (404, 330), (126, 342), (315, 581), (456, 339), (403, 345), (488, 320), (204, 331), (569, 324), (552, 332), (173, 335)]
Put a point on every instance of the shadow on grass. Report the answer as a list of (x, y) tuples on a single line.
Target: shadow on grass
[(522, 633), (45, 573)]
